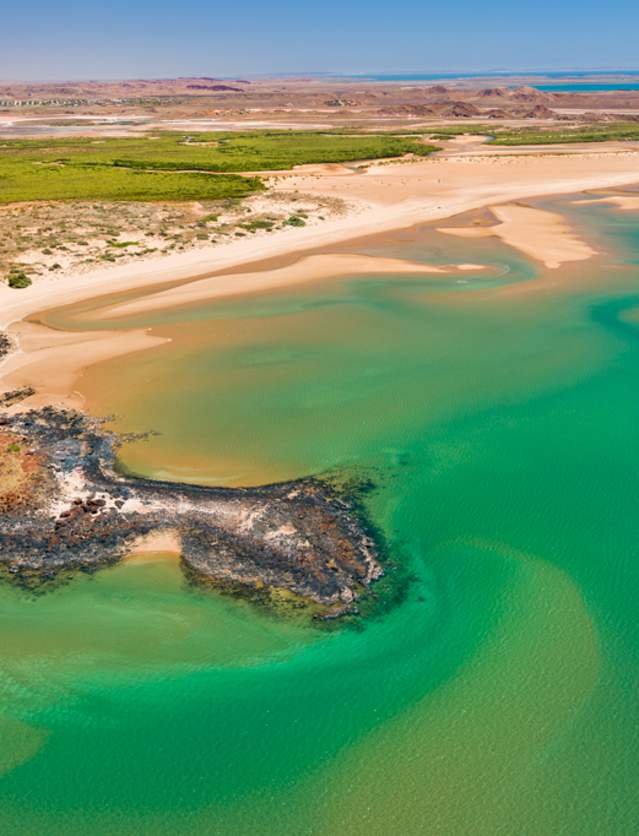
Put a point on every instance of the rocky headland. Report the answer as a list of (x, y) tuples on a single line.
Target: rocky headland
[(64, 507)]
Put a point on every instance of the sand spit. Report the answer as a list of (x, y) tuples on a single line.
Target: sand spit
[(627, 203), (67, 509), (306, 269), (540, 234)]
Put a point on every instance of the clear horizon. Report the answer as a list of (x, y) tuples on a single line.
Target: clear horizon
[(70, 41), (337, 74)]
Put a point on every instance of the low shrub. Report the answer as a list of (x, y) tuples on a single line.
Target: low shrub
[(18, 279)]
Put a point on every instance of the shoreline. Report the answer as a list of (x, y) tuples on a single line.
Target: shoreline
[(376, 213), (431, 190), (539, 234)]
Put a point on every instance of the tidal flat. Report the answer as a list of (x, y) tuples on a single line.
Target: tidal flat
[(496, 414)]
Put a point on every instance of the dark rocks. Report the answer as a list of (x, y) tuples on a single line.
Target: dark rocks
[(297, 538), (339, 102), (6, 345), (493, 92), (15, 396), (219, 88)]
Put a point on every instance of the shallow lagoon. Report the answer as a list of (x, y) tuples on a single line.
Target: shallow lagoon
[(498, 419)]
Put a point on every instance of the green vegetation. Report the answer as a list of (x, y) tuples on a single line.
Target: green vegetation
[(534, 135), (295, 220), (258, 223), (28, 181), (581, 133), (172, 166), (18, 279)]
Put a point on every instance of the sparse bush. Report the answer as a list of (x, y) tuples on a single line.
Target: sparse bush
[(18, 279), (252, 226)]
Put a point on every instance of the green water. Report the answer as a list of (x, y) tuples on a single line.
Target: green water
[(499, 419)]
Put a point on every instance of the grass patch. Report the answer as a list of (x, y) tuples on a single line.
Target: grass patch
[(175, 166), (22, 181)]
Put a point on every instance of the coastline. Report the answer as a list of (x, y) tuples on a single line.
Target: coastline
[(539, 234), (386, 196)]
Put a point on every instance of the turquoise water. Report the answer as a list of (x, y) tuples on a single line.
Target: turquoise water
[(587, 87), (499, 420), (579, 80)]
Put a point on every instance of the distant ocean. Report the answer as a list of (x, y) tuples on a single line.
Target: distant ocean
[(423, 76), (587, 88), (607, 77)]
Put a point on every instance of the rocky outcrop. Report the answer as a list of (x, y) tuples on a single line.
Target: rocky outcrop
[(218, 88), (495, 113), (298, 538), (407, 110), (14, 396), (493, 92), (531, 94), (339, 102), (437, 90), (6, 345), (461, 110), (539, 111)]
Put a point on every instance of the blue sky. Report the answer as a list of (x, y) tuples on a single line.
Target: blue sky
[(118, 39)]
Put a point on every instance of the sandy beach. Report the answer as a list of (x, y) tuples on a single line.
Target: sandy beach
[(305, 269), (388, 195), (542, 235), (383, 196), (51, 361)]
